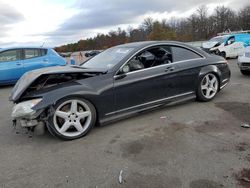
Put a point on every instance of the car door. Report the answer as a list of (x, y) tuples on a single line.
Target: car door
[(189, 63), (34, 59), (11, 66), (238, 48), (145, 86)]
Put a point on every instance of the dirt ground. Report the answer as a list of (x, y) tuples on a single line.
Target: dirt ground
[(189, 145)]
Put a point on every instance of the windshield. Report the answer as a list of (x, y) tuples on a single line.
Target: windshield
[(108, 58), (217, 39)]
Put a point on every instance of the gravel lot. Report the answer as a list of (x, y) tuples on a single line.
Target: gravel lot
[(196, 145)]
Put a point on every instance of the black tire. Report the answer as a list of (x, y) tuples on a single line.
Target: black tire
[(53, 130), (199, 94), (245, 72), (223, 54)]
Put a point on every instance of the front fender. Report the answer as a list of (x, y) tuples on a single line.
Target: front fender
[(53, 96), (99, 95)]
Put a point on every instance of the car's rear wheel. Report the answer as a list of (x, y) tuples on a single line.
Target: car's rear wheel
[(73, 118), (245, 72), (208, 87)]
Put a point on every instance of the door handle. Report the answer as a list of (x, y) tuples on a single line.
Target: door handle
[(18, 63), (45, 60), (169, 69)]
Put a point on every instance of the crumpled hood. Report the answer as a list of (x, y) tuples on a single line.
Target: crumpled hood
[(28, 78), (209, 45)]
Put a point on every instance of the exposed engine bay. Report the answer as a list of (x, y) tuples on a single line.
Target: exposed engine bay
[(47, 81)]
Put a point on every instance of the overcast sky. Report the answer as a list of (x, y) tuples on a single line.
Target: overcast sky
[(57, 22)]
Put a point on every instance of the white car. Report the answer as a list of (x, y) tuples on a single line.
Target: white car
[(229, 45), (244, 62)]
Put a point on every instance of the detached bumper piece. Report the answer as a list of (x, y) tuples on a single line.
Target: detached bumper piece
[(23, 112), (28, 123)]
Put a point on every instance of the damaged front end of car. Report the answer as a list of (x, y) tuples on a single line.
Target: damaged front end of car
[(30, 94), (24, 110)]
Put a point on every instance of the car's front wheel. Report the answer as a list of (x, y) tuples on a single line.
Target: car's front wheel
[(73, 118), (208, 87)]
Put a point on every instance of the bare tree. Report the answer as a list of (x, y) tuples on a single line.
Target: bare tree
[(198, 26), (147, 24), (244, 18)]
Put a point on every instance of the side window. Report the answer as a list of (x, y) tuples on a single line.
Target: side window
[(231, 40), (181, 54), (31, 53), (10, 55), (151, 57)]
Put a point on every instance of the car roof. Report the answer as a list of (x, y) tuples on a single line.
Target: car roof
[(144, 44), (148, 43), (22, 47)]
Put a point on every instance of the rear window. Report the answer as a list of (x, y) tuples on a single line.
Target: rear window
[(181, 54)]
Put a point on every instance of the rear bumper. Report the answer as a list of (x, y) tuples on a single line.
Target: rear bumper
[(225, 75)]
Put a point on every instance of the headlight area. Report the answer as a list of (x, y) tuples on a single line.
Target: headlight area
[(23, 111)]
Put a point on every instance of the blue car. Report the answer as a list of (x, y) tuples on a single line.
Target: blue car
[(14, 62)]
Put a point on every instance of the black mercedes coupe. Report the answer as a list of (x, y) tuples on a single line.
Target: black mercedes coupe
[(120, 81)]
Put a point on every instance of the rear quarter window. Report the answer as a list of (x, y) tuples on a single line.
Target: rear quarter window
[(43, 52), (182, 54)]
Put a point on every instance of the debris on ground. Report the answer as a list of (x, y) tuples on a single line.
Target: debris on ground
[(246, 125), (67, 179), (243, 177), (242, 146), (120, 177), (163, 117)]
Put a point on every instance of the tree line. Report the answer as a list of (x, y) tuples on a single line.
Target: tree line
[(199, 26)]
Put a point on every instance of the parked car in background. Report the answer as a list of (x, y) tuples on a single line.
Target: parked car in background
[(228, 45), (244, 62), (121, 80), (92, 53), (14, 62)]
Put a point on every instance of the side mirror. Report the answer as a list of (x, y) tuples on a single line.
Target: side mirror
[(122, 72), (125, 69)]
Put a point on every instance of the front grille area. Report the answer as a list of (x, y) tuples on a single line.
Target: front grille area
[(245, 64)]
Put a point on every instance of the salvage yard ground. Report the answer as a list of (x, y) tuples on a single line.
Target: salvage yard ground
[(193, 144)]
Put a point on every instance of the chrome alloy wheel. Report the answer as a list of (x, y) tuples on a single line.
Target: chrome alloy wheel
[(72, 118), (209, 86)]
